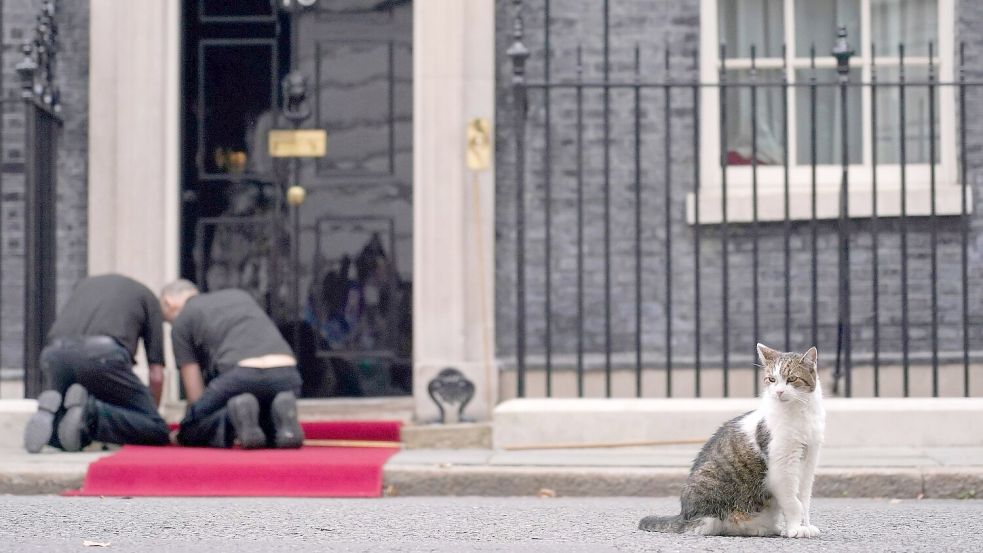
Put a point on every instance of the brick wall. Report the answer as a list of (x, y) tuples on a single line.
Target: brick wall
[(18, 18), (635, 22)]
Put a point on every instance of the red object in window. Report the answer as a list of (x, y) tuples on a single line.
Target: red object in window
[(734, 158)]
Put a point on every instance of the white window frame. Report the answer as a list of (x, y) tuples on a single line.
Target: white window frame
[(771, 182)]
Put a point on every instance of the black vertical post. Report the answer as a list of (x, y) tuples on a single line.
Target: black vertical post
[(933, 222), (519, 54), (696, 221), (41, 125), (874, 238), (843, 53), (964, 220), (786, 221), (295, 316), (637, 94), (724, 275), (904, 221), (607, 200), (813, 226), (755, 315), (580, 222), (667, 162), (39, 239), (296, 110), (548, 192)]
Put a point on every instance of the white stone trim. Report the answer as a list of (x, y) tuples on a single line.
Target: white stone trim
[(453, 81), (134, 142)]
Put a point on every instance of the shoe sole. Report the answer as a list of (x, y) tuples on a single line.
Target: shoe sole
[(244, 415), (289, 434), (41, 426), (70, 427)]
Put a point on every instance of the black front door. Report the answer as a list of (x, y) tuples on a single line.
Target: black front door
[(348, 309)]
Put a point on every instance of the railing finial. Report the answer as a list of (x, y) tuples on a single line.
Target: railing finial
[(842, 52), (518, 51), (37, 68)]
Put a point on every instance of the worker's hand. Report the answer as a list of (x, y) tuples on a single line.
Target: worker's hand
[(156, 382), (194, 385)]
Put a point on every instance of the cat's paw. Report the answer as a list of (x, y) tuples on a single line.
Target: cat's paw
[(801, 532)]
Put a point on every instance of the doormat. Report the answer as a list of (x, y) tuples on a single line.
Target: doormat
[(165, 471)]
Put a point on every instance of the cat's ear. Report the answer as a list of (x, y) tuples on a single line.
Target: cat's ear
[(768, 356), (810, 358)]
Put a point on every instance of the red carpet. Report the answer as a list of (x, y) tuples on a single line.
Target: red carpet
[(306, 472)]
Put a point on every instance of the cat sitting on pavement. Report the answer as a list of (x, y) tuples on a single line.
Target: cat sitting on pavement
[(754, 476)]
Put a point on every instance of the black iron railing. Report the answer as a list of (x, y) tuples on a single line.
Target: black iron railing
[(42, 126), (681, 105)]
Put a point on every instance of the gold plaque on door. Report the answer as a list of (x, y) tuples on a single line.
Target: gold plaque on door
[(298, 143)]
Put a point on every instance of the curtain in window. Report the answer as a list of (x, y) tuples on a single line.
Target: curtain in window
[(742, 24), (915, 23)]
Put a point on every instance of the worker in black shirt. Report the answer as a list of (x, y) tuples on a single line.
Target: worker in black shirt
[(91, 393), (239, 374)]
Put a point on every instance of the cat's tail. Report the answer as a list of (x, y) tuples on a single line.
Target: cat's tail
[(675, 524)]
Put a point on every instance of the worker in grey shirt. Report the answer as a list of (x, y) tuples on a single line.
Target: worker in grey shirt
[(239, 374), (91, 392)]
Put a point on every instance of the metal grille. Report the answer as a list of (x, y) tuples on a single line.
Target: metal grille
[(661, 97)]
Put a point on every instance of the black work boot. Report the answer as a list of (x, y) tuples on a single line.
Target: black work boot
[(42, 424), (244, 415), (289, 434), (73, 430)]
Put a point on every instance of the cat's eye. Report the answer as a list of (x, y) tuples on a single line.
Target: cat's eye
[(792, 379), (771, 379)]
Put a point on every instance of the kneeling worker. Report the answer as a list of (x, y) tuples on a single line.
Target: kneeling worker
[(248, 391), (91, 392)]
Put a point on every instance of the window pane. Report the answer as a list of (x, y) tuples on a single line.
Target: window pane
[(229, 123), (829, 133), (914, 22), (740, 150), (744, 23), (917, 127), (817, 22)]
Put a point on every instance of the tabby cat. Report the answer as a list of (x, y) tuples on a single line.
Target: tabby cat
[(754, 477)]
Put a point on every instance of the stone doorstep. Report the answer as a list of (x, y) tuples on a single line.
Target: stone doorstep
[(506, 481), (447, 436), (857, 422)]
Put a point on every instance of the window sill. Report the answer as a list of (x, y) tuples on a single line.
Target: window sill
[(771, 203)]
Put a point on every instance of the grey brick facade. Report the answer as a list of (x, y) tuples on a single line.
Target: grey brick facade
[(18, 19), (579, 22)]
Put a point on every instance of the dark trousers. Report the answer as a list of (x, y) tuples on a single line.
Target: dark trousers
[(206, 422), (121, 409)]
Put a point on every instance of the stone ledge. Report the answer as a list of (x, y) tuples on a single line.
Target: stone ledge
[(529, 481), (40, 482), (447, 436), (855, 422), (508, 481), (953, 483)]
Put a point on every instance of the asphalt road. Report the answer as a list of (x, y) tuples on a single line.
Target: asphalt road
[(455, 524)]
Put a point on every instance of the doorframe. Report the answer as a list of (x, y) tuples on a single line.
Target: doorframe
[(134, 174)]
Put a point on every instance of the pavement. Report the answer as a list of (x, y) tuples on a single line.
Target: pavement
[(454, 524), (874, 472)]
